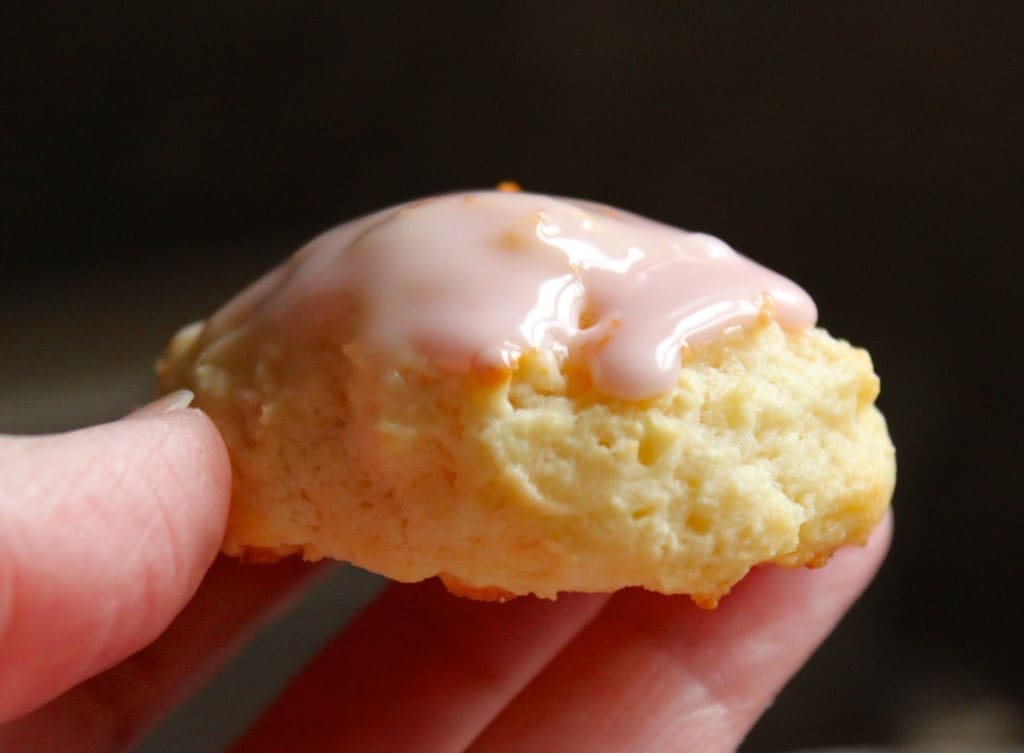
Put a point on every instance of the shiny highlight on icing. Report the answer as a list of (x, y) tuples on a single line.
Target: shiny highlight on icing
[(473, 280)]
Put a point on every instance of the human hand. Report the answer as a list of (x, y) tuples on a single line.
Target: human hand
[(106, 533)]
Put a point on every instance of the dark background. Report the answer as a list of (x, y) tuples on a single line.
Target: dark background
[(151, 161)]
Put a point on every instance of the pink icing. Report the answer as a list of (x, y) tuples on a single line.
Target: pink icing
[(475, 279)]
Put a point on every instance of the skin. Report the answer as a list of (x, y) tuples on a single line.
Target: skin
[(114, 606)]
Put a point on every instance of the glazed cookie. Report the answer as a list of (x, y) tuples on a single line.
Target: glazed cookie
[(525, 394)]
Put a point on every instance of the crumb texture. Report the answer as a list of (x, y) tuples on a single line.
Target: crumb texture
[(769, 449)]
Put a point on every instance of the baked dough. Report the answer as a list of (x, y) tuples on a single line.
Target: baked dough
[(527, 474)]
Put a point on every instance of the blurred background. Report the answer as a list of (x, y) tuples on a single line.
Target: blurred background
[(153, 159)]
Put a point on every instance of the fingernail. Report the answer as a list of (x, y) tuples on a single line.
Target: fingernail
[(169, 403)]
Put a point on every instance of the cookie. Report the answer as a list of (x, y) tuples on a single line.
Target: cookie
[(531, 395)]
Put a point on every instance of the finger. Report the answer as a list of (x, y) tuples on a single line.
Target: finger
[(657, 674), (114, 709), (419, 670), (105, 534)]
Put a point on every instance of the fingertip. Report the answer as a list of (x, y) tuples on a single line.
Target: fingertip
[(846, 574), (178, 462), (105, 534), (885, 531), (195, 452)]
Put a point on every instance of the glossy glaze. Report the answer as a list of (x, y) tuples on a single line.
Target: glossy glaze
[(473, 280)]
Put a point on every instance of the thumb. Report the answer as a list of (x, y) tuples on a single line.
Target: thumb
[(105, 534)]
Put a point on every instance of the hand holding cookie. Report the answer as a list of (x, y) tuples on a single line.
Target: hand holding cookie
[(544, 402), (106, 532)]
